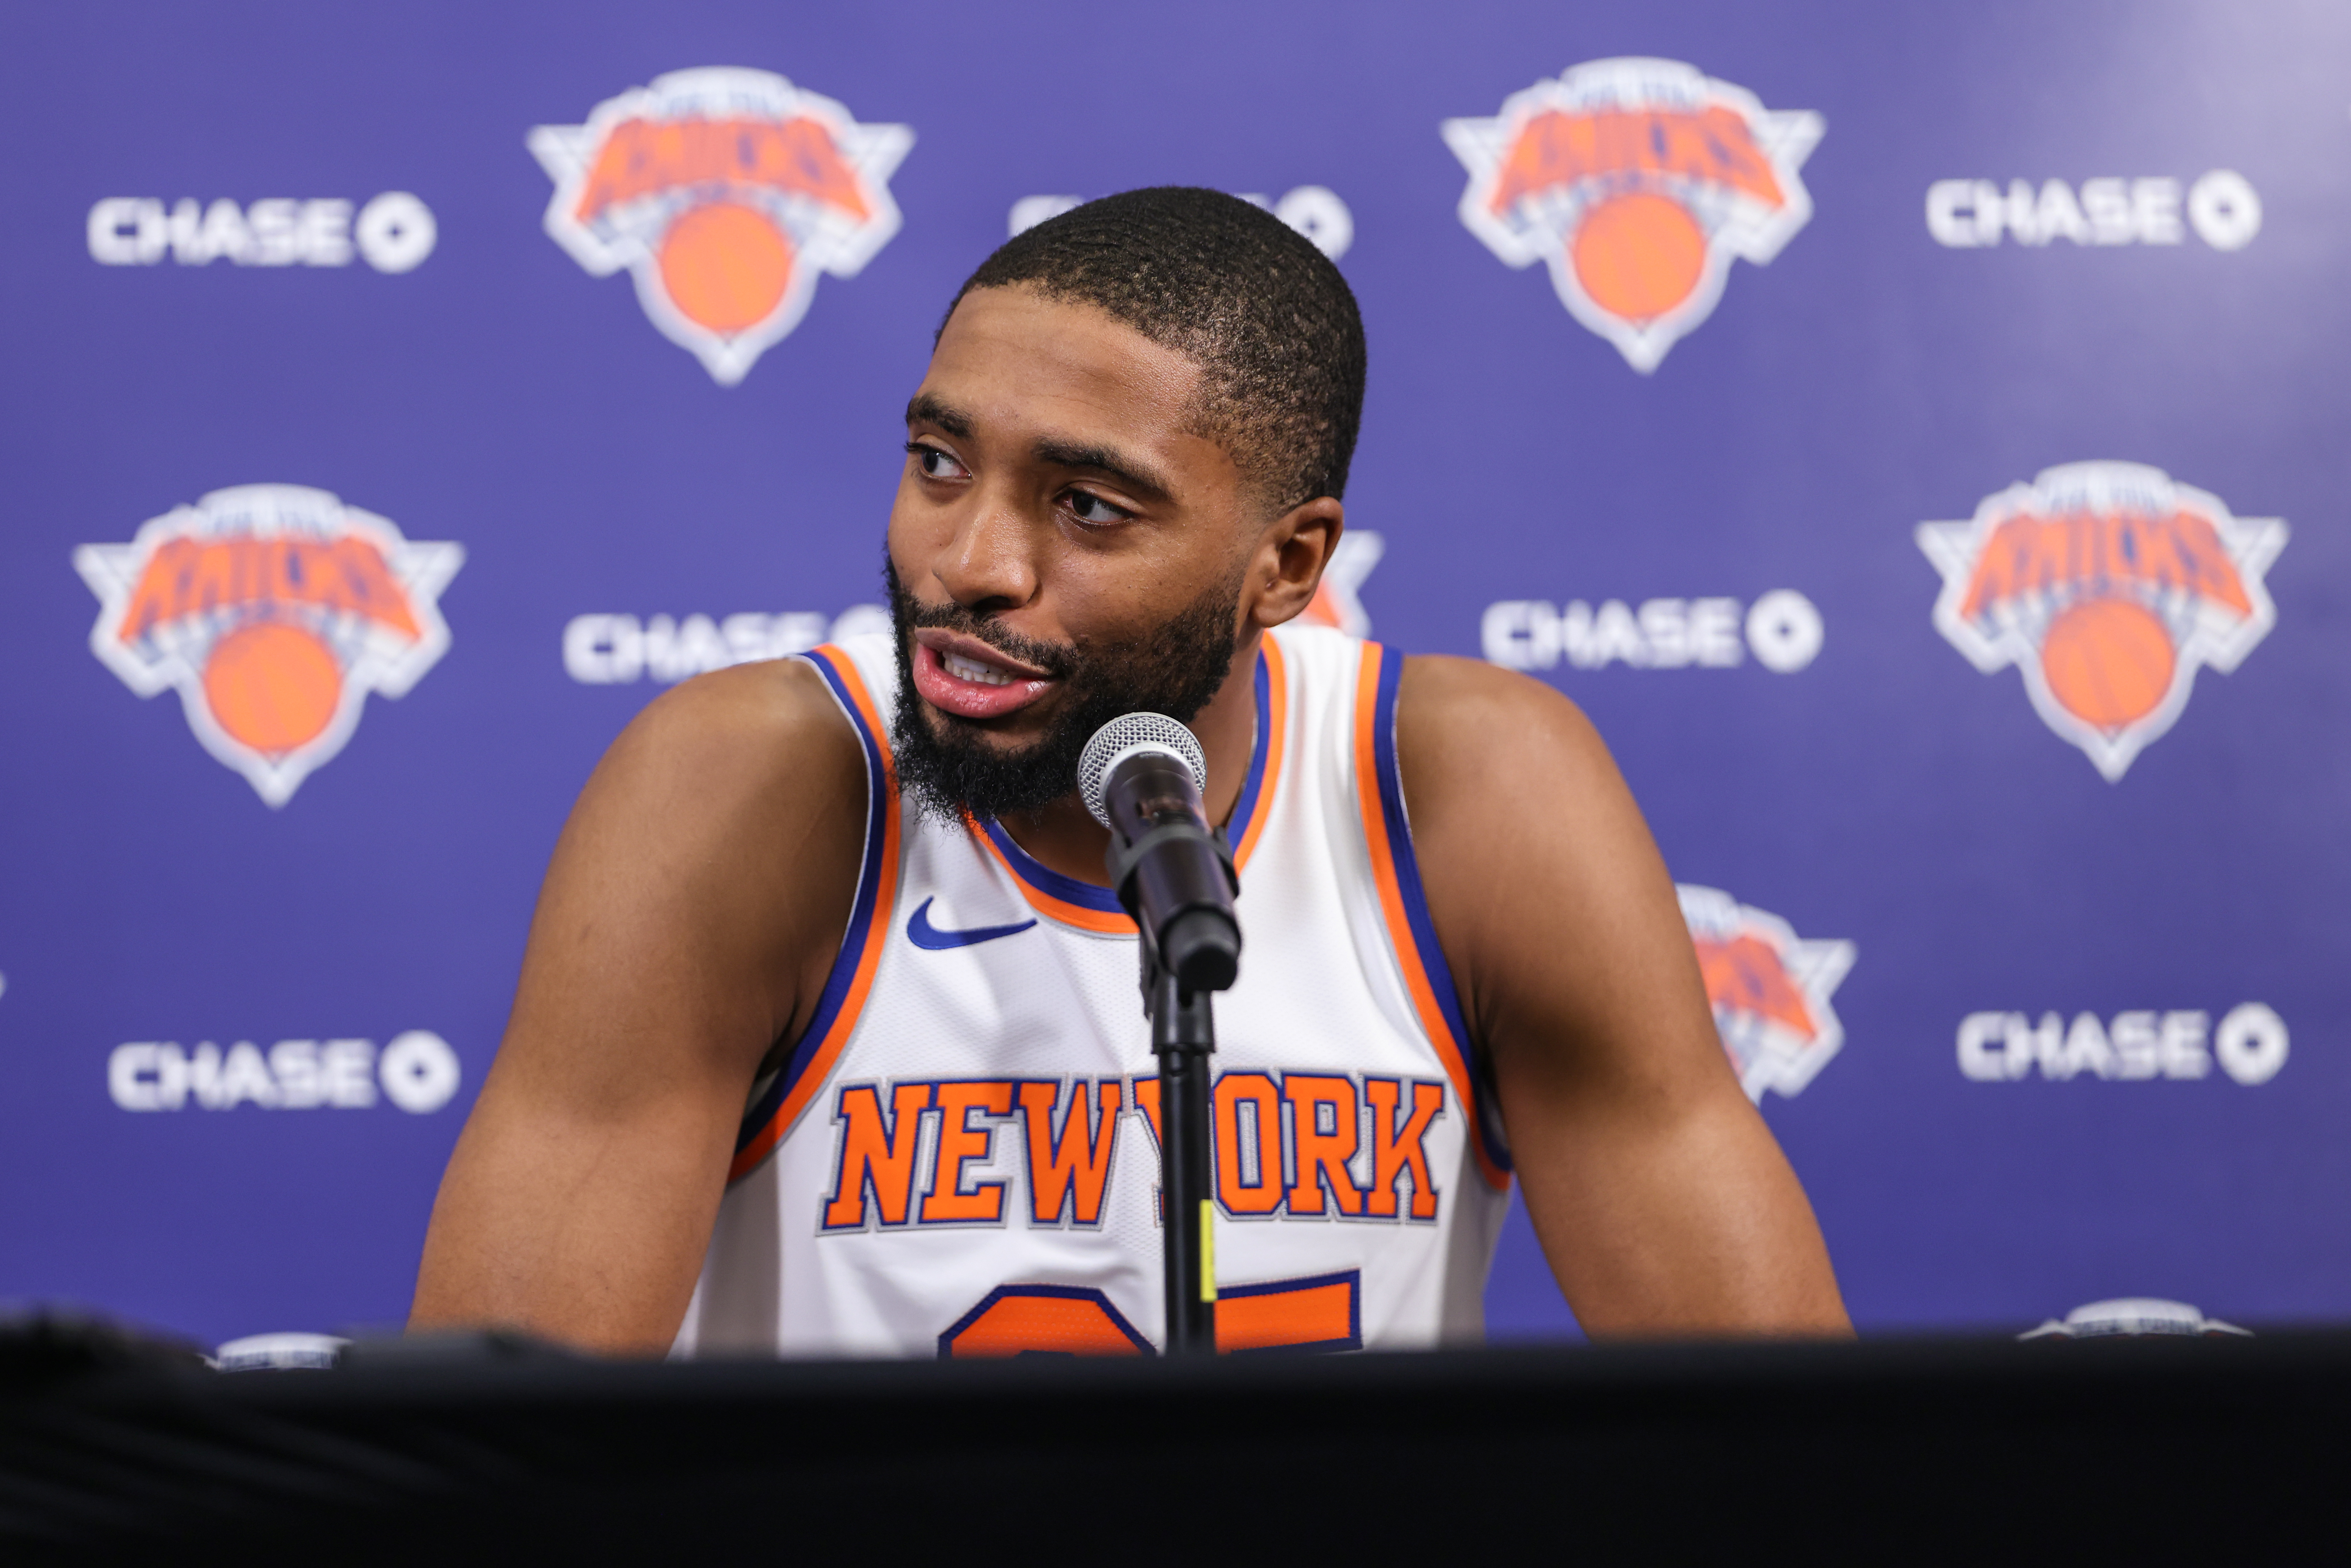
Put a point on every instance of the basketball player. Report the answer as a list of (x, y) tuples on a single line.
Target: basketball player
[(828, 1039)]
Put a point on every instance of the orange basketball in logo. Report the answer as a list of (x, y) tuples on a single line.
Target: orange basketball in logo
[(1638, 255), (273, 686), (725, 266), (2108, 661)]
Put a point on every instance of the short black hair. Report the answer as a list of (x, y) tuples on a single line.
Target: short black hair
[(1268, 318)]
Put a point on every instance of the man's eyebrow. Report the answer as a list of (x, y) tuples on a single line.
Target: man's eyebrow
[(1135, 473), (1128, 471), (926, 409)]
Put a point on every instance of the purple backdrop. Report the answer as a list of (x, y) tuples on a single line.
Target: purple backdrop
[(2014, 848)]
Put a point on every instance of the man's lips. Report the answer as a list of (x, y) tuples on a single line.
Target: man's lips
[(966, 677)]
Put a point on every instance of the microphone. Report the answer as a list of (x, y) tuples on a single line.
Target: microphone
[(1141, 777)]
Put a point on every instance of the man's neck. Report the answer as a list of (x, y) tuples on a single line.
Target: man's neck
[(1064, 836)]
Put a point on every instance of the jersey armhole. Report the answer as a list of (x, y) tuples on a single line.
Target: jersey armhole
[(777, 1104), (1412, 936)]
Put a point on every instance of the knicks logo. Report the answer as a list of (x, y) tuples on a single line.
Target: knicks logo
[(2108, 585), (275, 609), (1637, 181), (1770, 989), (725, 192)]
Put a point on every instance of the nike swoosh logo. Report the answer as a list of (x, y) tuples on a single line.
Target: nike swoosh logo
[(924, 935)]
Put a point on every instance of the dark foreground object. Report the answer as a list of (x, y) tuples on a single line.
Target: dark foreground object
[(2168, 1448)]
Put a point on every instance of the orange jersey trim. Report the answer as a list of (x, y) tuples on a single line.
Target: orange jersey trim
[(1273, 727), (1387, 840), (1101, 915), (1107, 922), (1321, 1313), (861, 948)]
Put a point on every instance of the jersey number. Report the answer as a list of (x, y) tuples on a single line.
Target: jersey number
[(1321, 1313)]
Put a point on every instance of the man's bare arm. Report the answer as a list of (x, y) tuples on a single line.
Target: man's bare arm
[(1661, 1199), (696, 900)]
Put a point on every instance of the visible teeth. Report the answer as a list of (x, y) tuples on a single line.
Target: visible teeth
[(964, 669)]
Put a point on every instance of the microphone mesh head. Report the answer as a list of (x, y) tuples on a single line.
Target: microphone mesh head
[(1134, 732)]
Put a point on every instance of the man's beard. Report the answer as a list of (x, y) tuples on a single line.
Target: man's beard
[(947, 764)]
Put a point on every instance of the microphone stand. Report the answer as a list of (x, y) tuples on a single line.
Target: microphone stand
[(1183, 1036)]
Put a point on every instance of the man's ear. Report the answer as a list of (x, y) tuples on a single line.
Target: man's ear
[(1291, 556)]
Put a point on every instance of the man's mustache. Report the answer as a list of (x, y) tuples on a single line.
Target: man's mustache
[(1059, 659)]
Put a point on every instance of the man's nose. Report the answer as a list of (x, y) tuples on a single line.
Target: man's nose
[(987, 566)]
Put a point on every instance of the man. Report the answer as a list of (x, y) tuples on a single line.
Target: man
[(858, 894)]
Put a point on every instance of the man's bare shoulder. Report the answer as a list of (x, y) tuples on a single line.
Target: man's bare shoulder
[(1472, 735), (1545, 888), (720, 836), (774, 723), (695, 903)]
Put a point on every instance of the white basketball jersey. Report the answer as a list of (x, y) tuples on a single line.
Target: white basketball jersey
[(961, 1158)]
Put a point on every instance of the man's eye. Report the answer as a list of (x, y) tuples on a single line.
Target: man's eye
[(936, 463), (1089, 508)]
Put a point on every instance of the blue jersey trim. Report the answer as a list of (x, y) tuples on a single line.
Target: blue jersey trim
[(1261, 749), (1045, 879), (1086, 895), (1415, 910), (881, 799)]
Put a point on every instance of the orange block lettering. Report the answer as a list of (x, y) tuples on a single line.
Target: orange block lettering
[(2096, 551), (188, 577), (1264, 1196), (1323, 1156), (1397, 1149), (1321, 1313), (1067, 1171), (2203, 563), (355, 577), (877, 1155), (960, 1143), (1557, 149), (1042, 1320), (796, 157)]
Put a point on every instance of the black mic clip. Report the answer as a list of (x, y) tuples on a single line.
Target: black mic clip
[(1197, 940), (1121, 859)]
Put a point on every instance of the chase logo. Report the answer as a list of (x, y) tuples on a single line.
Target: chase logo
[(723, 192), (2109, 585), (395, 233), (1636, 180), (273, 610), (1770, 989)]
